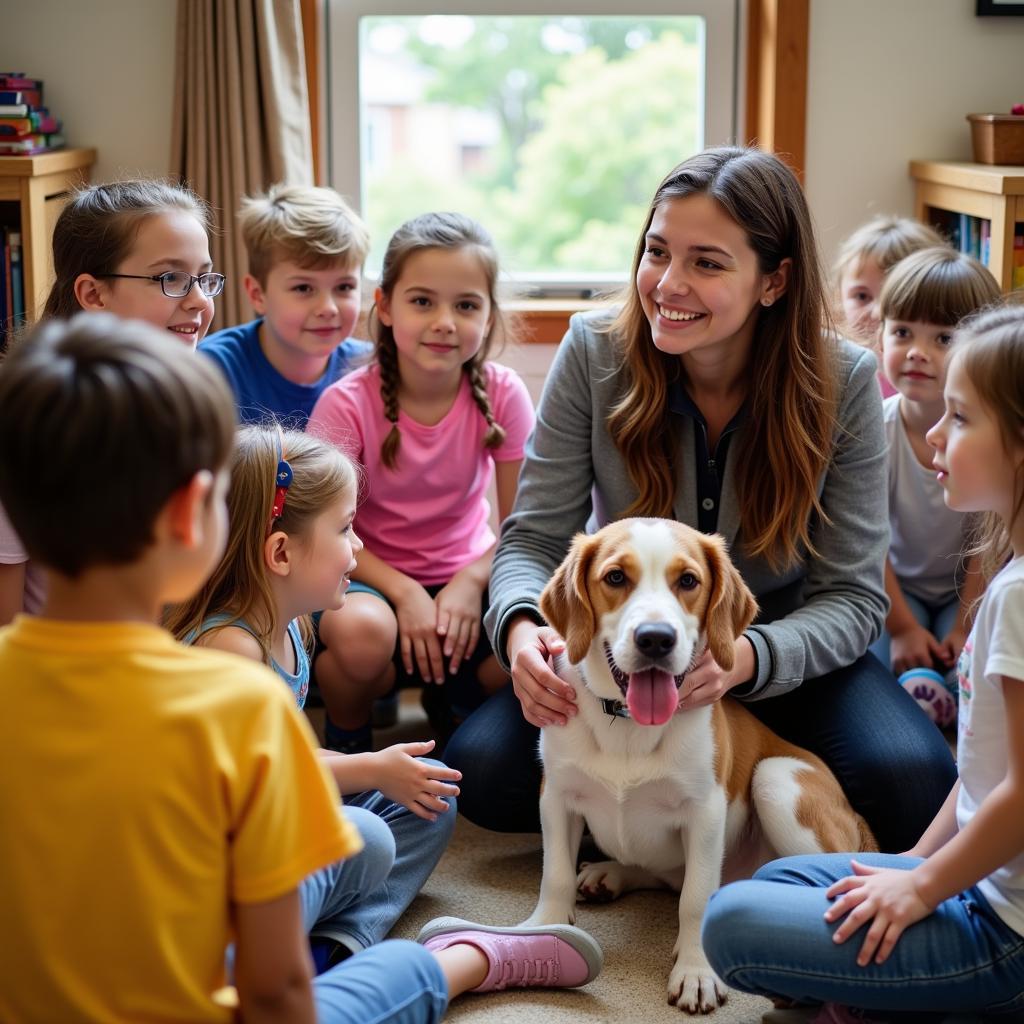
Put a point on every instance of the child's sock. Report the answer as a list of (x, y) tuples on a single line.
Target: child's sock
[(347, 741), (327, 953), (928, 688)]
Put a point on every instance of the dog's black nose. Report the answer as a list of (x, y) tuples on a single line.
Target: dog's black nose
[(655, 639)]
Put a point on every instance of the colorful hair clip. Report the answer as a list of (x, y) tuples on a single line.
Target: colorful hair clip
[(282, 481)]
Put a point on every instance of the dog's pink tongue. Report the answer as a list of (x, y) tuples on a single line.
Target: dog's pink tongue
[(652, 696)]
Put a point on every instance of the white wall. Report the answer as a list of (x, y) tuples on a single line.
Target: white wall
[(108, 68), (891, 81)]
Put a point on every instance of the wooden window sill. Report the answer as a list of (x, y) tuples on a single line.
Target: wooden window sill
[(545, 321)]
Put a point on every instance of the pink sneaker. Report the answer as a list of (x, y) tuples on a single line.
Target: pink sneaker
[(521, 956)]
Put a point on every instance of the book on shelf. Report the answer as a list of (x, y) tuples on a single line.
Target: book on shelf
[(965, 233), (33, 97), (17, 281), (26, 126), (5, 274), (18, 80), (36, 123), (30, 145), (12, 285)]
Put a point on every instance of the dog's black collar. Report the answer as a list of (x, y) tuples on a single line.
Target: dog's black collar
[(615, 708)]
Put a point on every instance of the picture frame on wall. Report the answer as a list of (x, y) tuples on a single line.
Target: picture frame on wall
[(999, 8)]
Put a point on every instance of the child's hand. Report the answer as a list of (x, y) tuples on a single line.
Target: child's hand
[(887, 897), (414, 784), (458, 617), (417, 634), (915, 647), (952, 645)]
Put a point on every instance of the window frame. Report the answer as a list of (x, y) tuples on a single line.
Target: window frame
[(720, 99)]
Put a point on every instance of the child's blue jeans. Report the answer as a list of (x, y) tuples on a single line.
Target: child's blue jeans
[(768, 936), (396, 982), (938, 619), (357, 901)]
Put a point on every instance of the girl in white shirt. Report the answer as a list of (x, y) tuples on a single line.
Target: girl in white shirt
[(785, 932), (930, 594)]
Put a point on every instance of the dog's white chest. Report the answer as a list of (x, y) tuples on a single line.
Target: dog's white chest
[(636, 794)]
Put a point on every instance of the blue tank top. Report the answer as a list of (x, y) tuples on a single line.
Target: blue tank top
[(297, 683)]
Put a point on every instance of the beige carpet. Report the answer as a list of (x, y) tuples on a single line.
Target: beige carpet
[(494, 878)]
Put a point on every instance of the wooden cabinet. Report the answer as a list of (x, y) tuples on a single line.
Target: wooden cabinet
[(33, 191), (992, 193)]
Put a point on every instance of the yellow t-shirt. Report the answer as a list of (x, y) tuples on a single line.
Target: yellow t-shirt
[(144, 788)]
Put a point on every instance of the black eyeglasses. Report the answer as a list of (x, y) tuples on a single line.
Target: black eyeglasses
[(176, 284)]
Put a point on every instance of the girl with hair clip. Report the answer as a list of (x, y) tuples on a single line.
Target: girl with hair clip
[(140, 249), (291, 550), (930, 584), (432, 420), (717, 395), (859, 274), (941, 927)]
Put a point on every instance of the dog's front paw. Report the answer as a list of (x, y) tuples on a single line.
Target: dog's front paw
[(601, 882), (693, 986)]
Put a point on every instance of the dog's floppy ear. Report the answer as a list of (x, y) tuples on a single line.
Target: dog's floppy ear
[(732, 606), (565, 601)]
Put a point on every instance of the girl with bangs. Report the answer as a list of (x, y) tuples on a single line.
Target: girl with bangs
[(930, 584), (718, 395)]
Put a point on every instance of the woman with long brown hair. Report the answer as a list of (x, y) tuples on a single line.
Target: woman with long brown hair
[(719, 395)]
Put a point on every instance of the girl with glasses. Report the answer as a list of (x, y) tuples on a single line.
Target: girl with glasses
[(140, 249)]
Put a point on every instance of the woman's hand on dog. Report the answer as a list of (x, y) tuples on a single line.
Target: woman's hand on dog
[(546, 699), (707, 681)]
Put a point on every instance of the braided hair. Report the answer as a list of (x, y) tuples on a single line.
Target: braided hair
[(436, 231)]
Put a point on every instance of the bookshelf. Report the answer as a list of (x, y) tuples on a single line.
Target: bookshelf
[(980, 207), (33, 191)]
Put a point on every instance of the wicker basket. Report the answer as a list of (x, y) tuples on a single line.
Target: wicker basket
[(997, 138)]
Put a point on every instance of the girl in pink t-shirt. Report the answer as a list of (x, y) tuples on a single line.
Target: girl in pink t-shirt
[(431, 420)]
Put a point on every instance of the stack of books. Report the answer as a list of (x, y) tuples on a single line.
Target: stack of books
[(26, 126)]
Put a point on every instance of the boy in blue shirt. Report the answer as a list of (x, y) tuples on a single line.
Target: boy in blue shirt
[(306, 249)]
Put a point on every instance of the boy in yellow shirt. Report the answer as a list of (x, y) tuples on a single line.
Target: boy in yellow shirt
[(148, 791)]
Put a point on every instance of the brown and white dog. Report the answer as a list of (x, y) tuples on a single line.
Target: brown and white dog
[(663, 789)]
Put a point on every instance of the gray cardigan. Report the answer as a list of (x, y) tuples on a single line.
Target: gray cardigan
[(815, 617)]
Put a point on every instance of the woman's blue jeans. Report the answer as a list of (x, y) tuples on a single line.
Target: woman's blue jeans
[(891, 761), (768, 936)]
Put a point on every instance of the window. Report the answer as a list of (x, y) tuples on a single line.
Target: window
[(552, 129)]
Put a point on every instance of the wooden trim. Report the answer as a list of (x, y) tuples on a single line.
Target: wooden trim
[(998, 179), (776, 79), (537, 321), (545, 321), (310, 13)]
